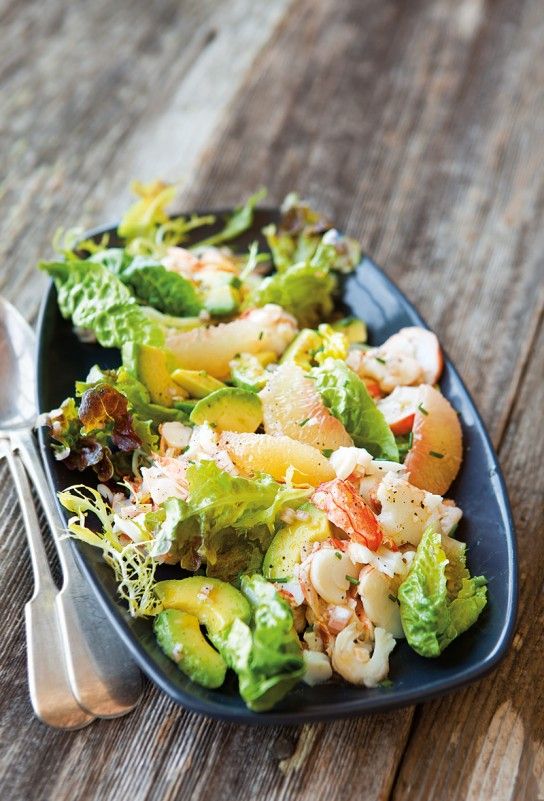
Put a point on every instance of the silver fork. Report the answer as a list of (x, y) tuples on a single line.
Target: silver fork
[(102, 676)]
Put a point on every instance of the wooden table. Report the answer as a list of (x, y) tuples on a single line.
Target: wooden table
[(420, 127)]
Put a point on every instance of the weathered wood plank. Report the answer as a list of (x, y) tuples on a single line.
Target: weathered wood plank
[(417, 125), (487, 742), (420, 126), (104, 95)]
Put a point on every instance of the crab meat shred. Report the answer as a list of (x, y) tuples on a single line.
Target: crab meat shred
[(164, 479), (406, 511), (351, 658), (317, 668), (358, 462), (390, 563), (204, 445)]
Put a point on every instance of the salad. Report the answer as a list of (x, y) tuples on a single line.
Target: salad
[(293, 477)]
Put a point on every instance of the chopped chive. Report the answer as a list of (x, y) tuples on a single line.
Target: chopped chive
[(352, 580), (381, 361), (393, 598), (338, 554), (303, 422), (436, 454), (261, 334), (282, 580), (385, 683), (422, 408), (327, 452), (410, 439)]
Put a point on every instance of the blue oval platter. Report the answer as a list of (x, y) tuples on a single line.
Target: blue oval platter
[(479, 490)]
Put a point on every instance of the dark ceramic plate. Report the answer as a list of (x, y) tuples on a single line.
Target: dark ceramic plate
[(479, 490)]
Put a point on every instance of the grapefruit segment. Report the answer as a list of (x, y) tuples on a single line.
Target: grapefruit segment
[(280, 457), (293, 407), (435, 457)]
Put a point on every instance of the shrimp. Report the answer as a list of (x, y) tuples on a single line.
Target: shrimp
[(346, 509), (409, 357), (197, 267)]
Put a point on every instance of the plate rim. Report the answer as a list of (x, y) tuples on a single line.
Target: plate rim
[(352, 707)]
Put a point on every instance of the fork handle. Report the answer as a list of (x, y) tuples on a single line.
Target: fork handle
[(104, 679), (50, 692)]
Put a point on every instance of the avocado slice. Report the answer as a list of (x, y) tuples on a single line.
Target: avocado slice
[(186, 406), (222, 300), (198, 383), (247, 370), (353, 328), (153, 366), (213, 602), (229, 409), (284, 552), (302, 348), (179, 636)]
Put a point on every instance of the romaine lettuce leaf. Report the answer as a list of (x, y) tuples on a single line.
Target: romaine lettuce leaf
[(163, 289), (266, 655), (94, 298), (343, 392), (432, 613)]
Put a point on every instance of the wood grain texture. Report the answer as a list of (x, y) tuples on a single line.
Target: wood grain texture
[(419, 126)]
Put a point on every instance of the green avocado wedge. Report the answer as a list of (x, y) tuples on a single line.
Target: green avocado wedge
[(229, 409), (353, 328), (284, 552), (198, 383), (153, 366), (179, 636), (215, 603)]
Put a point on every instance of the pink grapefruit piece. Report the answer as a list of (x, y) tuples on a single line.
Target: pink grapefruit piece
[(293, 407), (437, 450)]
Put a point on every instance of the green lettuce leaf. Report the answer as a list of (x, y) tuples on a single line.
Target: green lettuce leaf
[(304, 290), (438, 600), (300, 234), (175, 531), (237, 516), (133, 566), (343, 392), (241, 220), (137, 395), (94, 298), (163, 289), (145, 214), (266, 655)]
